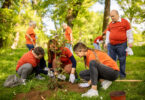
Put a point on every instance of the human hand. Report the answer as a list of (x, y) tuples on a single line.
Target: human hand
[(61, 77), (72, 78), (105, 46), (50, 73)]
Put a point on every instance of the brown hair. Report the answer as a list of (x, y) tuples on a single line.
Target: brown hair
[(39, 51), (50, 52), (82, 47)]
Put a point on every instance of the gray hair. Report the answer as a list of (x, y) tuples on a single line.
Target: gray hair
[(32, 23)]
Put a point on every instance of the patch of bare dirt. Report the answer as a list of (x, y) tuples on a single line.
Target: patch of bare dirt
[(38, 95)]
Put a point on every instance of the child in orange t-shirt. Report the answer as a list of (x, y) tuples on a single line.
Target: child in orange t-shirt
[(61, 57), (29, 63), (101, 67)]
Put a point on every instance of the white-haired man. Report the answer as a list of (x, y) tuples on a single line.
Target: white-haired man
[(118, 37)]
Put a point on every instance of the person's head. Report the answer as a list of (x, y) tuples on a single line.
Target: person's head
[(64, 25), (114, 15), (52, 45), (38, 52), (32, 24), (80, 49)]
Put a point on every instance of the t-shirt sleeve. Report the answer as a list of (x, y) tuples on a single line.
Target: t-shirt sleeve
[(30, 31)]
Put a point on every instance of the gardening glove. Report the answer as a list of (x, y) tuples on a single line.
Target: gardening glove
[(129, 51), (50, 73), (72, 78), (61, 77)]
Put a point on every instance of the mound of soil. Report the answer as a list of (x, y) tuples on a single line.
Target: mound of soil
[(38, 95)]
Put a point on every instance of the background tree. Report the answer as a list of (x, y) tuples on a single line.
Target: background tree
[(106, 14)]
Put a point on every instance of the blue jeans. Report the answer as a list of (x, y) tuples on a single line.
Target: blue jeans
[(120, 51), (30, 46), (69, 46), (97, 46)]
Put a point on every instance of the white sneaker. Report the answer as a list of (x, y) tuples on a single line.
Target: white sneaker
[(84, 85), (105, 84), (90, 93)]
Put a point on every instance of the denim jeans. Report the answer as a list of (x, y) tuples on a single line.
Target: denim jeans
[(97, 46), (30, 46), (68, 45), (120, 51)]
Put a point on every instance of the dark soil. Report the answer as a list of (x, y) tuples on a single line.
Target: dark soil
[(38, 95)]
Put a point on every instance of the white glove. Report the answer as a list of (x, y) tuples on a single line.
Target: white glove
[(84, 85), (129, 51), (72, 78), (50, 73), (61, 77)]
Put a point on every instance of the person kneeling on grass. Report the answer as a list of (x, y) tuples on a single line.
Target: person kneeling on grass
[(61, 57), (101, 67), (29, 63)]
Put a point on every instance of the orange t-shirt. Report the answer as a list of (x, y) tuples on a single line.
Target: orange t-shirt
[(68, 33), (118, 31), (103, 58), (27, 58), (31, 32), (64, 56)]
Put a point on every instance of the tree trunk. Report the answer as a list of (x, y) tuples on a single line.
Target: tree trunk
[(106, 14), (6, 4), (72, 13)]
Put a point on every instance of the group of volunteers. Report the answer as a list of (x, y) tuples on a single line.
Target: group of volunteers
[(101, 67)]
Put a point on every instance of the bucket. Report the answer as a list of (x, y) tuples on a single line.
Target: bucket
[(117, 95)]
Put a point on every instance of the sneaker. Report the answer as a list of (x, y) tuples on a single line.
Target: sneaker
[(90, 93), (84, 85), (105, 84), (39, 77)]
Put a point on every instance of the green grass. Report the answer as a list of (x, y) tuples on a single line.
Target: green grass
[(135, 69)]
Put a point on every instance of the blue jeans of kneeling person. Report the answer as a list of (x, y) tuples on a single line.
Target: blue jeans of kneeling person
[(120, 51)]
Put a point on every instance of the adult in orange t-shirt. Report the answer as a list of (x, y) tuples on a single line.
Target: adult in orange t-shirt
[(68, 36), (29, 63), (31, 36), (61, 57), (119, 34), (100, 67)]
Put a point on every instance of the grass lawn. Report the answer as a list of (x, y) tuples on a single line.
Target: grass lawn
[(135, 69)]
